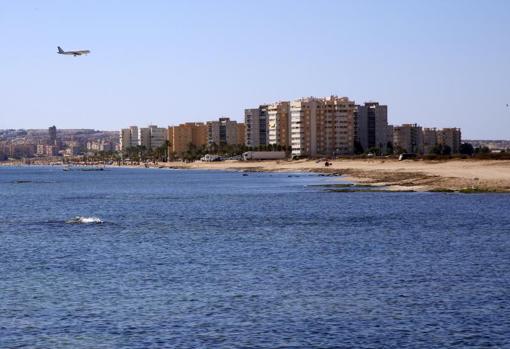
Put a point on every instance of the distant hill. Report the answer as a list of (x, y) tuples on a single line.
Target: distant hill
[(491, 144)]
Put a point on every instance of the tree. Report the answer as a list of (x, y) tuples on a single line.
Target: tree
[(374, 150), (466, 149), (358, 148), (441, 149), (399, 150), (213, 148), (161, 152), (389, 148), (482, 150)]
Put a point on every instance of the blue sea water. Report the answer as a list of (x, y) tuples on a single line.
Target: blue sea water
[(206, 259)]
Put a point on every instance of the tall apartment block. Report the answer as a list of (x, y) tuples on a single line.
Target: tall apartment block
[(152, 137), (256, 125), (409, 137), (322, 126), (279, 125), (52, 133), (181, 137), (372, 126), (225, 131), (450, 137), (128, 137)]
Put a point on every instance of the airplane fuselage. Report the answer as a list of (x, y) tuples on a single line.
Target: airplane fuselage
[(72, 53)]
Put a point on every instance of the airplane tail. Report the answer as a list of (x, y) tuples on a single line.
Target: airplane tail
[(60, 49)]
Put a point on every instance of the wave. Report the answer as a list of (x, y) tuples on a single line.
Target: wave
[(84, 220)]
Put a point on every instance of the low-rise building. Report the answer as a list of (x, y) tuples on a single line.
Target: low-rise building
[(99, 145), (46, 150)]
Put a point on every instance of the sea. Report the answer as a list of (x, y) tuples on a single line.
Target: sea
[(216, 259)]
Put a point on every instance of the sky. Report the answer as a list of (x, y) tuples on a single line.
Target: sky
[(436, 63)]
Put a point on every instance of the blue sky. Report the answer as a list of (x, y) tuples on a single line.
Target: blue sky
[(437, 63)]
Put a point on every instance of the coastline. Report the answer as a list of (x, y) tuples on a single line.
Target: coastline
[(414, 175), (448, 176)]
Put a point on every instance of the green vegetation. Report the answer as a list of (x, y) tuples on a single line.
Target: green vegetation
[(466, 149), (441, 149)]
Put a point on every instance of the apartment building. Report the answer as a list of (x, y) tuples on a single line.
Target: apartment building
[(450, 137), (389, 135), (429, 139), (46, 150), (99, 145), (256, 126), (52, 133), (372, 126), (152, 137), (182, 136), (128, 137), (225, 131), (279, 125), (322, 126), (409, 138)]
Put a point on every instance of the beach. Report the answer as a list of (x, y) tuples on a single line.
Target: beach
[(416, 175)]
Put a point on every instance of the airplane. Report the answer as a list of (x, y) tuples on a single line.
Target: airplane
[(74, 53)]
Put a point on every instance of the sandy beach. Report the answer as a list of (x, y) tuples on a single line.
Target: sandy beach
[(483, 175)]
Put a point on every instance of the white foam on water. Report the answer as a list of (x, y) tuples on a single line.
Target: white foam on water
[(84, 220)]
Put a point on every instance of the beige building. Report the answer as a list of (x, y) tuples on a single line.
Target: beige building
[(450, 137), (225, 131), (128, 137), (99, 145), (322, 126), (409, 138), (46, 150), (241, 133), (181, 137), (279, 125), (152, 137)]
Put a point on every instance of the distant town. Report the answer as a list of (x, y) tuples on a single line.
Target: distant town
[(304, 128)]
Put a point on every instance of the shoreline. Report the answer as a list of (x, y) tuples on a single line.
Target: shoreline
[(469, 176)]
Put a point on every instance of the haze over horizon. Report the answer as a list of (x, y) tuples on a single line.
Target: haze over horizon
[(439, 64)]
